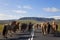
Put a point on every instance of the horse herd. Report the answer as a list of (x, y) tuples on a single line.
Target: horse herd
[(13, 27), (49, 28)]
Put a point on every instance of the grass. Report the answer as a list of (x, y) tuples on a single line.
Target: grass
[(58, 26), (27, 21), (1, 27)]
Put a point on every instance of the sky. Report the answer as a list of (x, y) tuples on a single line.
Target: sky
[(15, 9)]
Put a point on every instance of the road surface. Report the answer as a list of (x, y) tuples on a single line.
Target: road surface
[(39, 36), (26, 36)]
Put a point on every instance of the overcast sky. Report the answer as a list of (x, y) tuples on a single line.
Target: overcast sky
[(15, 9)]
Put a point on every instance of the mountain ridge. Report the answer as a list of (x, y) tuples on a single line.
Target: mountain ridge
[(37, 18)]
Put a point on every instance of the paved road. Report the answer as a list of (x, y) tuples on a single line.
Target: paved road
[(17, 36), (40, 36), (26, 36)]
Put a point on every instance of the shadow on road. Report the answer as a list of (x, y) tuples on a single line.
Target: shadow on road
[(56, 34), (38, 32)]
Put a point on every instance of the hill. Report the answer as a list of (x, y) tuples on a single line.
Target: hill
[(28, 19), (37, 19)]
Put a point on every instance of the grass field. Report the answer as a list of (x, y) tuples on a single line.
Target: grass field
[(59, 26), (1, 27)]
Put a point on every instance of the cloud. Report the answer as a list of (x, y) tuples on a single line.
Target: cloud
[(24, 7), (27, 7), (55, 17), (53, 9), (20, 11), (7, 17)]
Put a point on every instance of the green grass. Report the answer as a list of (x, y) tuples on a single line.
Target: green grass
[(1, 27), (59, 26), (27, 21)]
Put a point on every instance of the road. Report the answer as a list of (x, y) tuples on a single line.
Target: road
[(26, 36), (39, 36)]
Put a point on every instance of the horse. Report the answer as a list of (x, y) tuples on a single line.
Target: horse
[(5, 30), (48, 25), (23, 27), (30, 27), (17, 25), (54, 27), (43, 28), (9, 29)]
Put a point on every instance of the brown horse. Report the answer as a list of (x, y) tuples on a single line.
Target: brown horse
[(48, 27), (23, 27), (36, 26), (43, 28), (17, 27), (11, 28), (54, 27), (5, 30)]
